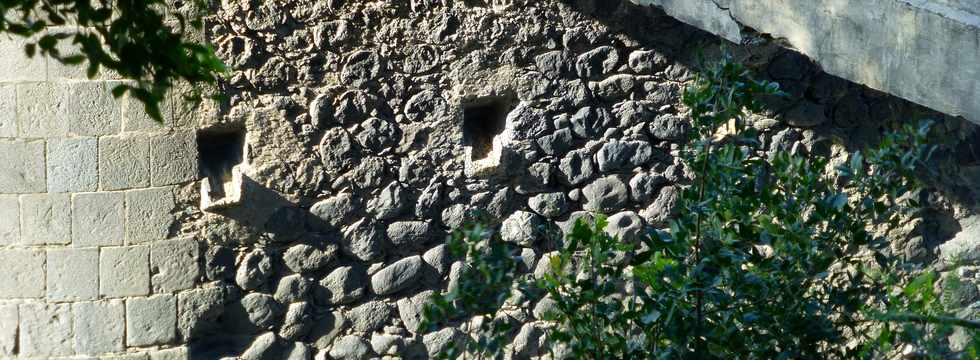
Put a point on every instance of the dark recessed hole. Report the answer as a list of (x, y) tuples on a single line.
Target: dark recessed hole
[(968, 151), (483, 120), (219, 151)]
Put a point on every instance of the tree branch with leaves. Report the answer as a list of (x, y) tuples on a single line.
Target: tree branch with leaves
[(146, 41)]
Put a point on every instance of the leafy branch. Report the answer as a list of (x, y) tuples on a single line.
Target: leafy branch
[(139, 40), (773, 254)]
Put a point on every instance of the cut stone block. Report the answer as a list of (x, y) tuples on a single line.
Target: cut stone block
[(198, 311), (135, 117), (40, 113), (58, 71), (8, 329), (175, 265), (148, 216), (124, 162), (45, 219), (15, 63), (186, 114), (173, 158), (124, 271), (9, 220), (92, 110), (73, 165), (8, 111), (22, 167), (22, 273), (151, 320), (98, 219), (45, 330), (73, 274), (99, 326)]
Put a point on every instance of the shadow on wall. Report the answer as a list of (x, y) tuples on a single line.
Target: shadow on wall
[(221, 322)]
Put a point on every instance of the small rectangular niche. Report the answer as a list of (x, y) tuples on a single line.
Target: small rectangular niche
[(485, 135), (483, 120), (221, 154)]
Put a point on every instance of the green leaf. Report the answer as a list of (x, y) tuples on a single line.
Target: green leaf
[(92, 70), (73, 60), (839, 201), (119, 90), (47, 42), (921, 284)]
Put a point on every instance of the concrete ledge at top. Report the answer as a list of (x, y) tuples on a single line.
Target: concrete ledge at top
[(925, 51)]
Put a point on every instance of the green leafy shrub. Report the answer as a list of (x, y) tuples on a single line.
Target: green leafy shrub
[(919, 321), (765, 258), (483, 290), (773, 254)]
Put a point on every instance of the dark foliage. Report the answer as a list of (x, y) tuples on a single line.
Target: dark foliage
[(774, 254), (142, 40)]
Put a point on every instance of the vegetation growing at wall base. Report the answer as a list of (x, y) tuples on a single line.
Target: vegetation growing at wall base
[(773, 254)]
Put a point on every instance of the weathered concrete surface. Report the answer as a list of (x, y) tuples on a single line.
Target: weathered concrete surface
[(925, 51)]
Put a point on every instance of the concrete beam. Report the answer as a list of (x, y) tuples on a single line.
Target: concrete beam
[(925, 51)]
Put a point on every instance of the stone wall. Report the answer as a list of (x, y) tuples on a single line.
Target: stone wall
[(88, 263), (355, 137)]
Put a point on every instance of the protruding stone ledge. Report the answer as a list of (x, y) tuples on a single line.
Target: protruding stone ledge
[(925, 51), (229, 196)]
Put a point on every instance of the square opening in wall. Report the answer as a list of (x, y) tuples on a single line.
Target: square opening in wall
[(219, 152), (483, 120)]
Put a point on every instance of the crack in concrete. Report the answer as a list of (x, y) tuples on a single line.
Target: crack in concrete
[(749, 34), (731, 16)]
